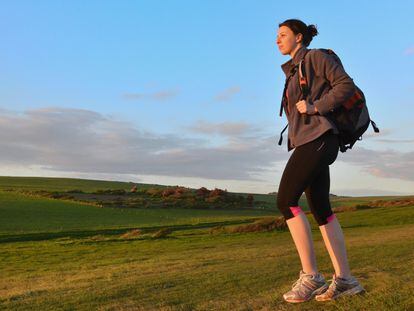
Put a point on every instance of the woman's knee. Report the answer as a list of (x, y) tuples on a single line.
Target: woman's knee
[(288, 208), (324, 219)]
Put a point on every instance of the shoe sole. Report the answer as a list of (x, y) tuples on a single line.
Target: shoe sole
[(352, 291), (318, 291)]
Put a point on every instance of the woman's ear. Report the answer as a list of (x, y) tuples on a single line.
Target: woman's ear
[(299, 38)]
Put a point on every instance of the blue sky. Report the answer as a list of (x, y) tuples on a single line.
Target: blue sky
[(188, 92)]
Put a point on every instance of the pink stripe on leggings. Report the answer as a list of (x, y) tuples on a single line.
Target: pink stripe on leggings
[(296, 210), (330, 218)]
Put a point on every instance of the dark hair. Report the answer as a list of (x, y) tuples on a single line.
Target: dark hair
[(297, 26)]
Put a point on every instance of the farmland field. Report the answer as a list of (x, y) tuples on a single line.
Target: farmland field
[(66, 255)]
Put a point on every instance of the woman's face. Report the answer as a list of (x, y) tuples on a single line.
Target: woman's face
[(286, 40)]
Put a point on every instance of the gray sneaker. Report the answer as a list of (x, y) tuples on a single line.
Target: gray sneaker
[(306, 287), (341, 287)]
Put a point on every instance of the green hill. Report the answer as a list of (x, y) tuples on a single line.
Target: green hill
[(64, 255)]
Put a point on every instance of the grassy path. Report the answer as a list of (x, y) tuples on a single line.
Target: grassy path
[(193, 270)]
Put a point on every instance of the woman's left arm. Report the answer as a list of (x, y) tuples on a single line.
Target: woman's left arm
[(342, 85)]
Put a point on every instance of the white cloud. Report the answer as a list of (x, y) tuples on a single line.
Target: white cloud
[(395, 141), (223, 128), (68, 140), (227, 94), (155, 96), (409, 51), (382, 163)]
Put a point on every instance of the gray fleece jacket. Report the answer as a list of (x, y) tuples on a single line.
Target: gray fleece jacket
[(329, 87)]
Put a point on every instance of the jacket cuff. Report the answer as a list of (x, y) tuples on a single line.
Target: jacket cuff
[(322, 109), (309, 102)]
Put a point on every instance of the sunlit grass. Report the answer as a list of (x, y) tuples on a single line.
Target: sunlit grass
[(67, 256)]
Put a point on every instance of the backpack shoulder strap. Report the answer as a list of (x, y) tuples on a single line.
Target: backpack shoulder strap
[(303, 85), (376, 130), (292, 72), (281, 135), (305, 92), (303, 82), (335, 56)]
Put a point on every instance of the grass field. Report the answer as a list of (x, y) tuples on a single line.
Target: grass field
[(59, 255)]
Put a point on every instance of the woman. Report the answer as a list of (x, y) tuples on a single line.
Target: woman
[(307, 170)]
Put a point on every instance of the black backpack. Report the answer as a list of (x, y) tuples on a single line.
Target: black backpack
[(351, 118)]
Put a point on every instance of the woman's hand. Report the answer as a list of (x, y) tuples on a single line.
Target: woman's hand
[(304, 107)]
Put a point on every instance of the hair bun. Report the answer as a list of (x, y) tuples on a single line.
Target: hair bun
[(312, 30)]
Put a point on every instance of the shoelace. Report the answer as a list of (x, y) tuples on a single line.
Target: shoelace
[(297, 283), (333, 285)]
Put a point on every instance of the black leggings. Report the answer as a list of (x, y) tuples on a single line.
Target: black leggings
[(308, 170)]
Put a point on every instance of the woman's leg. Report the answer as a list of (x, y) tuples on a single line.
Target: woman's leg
[(290, 190), (335, 243), (300, 231), (317, 195), (343, 283), (302, 167)]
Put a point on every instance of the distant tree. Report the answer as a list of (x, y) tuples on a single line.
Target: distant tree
[(202, 192), (154, 192), (167, 192), (250, 199), (218, 192)]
